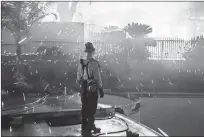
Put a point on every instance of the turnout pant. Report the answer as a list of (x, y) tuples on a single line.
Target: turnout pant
[(89, 105)]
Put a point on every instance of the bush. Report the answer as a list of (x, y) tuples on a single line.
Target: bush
[(134, 49), (195, 54), (49, 51)]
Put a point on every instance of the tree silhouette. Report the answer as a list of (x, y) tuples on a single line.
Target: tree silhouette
[(136, 47), (66, 13), (196, 9), (195, 53), (136, 30), (19, 16)]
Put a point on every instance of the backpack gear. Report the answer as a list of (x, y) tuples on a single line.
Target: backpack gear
[(88, 84), (89, 99)]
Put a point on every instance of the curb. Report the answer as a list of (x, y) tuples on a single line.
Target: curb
[(124, 109), (151, 94)]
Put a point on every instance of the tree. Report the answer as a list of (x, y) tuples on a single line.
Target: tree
[(66, 12), (136, 30), (136, 46), (19, 16), (135, 49), (196, 9), (195, 53)]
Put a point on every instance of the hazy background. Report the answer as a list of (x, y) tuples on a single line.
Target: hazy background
[(166, 18)]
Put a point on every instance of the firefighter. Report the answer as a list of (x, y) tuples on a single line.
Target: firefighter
[(89, 79)]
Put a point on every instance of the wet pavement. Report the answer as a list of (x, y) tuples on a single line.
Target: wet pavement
[(42, 129), (175, 116), (8, 102), (71, 102), (114, 126), (46, 104)]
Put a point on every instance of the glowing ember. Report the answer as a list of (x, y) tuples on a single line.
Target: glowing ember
[(2, 104), (22, 40), (10, 129), (23, 96), (170, 83), (59, 32)]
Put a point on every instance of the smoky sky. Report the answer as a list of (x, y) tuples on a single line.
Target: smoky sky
[(166, 18)]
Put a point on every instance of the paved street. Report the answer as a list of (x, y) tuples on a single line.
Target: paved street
[(175, 116)]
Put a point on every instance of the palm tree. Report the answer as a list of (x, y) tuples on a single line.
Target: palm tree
[(136, 46), (19, 16), (136, 30)]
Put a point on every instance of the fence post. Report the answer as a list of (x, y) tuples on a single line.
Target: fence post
[(65, 93), (162, 50)]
